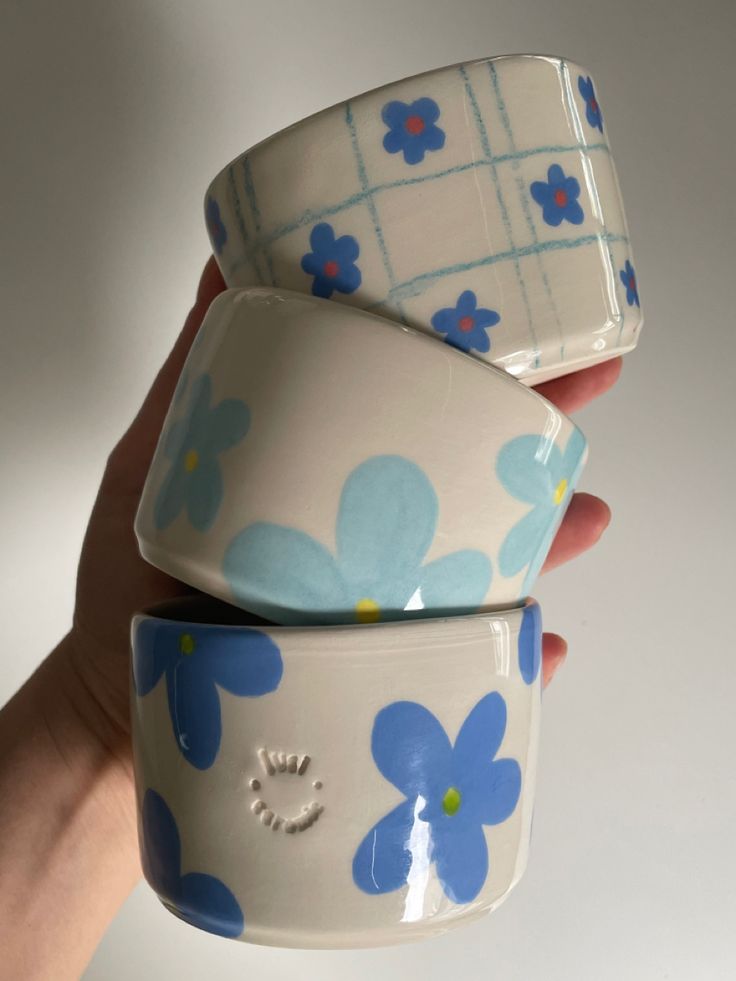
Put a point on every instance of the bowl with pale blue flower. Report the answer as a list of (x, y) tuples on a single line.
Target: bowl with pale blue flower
[(478, 203), (322, 465), (346, 786)]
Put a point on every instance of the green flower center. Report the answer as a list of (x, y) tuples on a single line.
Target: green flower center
[(186, 644), (451, 801), (367, 611), (560, 491), (191, 460)]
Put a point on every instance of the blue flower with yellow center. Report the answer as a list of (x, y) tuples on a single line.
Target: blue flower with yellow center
[(215, 225), (197, 660), (194, 480), (535, 471), (592, 109), (558, 197), (628, 278), (466, 324), (196, 897), (387, 519), (412, 128), (450, 793), (332, 262)]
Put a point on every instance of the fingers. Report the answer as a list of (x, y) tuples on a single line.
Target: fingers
[(554, 651), (572, 392), (586, 519)]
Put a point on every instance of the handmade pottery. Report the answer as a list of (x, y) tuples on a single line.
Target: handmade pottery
[(334, 787), (321, 465), (477, 202)]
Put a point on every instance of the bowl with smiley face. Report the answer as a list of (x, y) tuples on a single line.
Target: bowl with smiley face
[(345, 786)]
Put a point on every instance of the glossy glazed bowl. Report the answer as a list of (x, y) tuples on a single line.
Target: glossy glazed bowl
[(320, 465), (477, 202), (334, 787)]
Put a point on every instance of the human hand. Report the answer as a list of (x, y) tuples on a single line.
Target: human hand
[(115, 582)]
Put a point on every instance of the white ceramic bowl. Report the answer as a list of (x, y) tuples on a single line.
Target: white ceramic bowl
[(477, 202), (321, 465), (335, 787)]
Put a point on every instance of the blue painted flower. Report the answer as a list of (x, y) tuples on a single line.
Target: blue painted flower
[(412, 128), (533, 470), (386, 522), (558, 197), (192, 444), (530, 643), (628, 278), (332, 262), (196, 660), (196, 897), (215, 225), (592, 109), (450, 793), (465, 325)]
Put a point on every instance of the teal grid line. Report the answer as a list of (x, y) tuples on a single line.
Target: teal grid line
[(417, 285), (485, 143), (253, 201), (310, 217), (238, 208), (588, 169), (506, 122), (371, 204)]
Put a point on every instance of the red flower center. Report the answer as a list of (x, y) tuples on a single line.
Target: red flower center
[(632, 283), (466, 324), (414, 125), (593, 105), (331, 269), (560, 198)]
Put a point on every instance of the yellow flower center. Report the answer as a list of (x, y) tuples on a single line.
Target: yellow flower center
[(367, 611), (451, 801), (560, 491), (191, 460), (186, 644)]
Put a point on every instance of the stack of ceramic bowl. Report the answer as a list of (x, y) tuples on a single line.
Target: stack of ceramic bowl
[(337, 748)]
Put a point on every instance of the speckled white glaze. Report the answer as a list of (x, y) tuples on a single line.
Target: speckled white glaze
[(306, 749), (463, 217), (364, 480)]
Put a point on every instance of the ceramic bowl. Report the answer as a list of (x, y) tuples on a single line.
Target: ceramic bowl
[(478, 203), (334, 786), (321, 465)]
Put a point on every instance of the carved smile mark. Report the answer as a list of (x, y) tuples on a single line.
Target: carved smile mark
[(291, 764)]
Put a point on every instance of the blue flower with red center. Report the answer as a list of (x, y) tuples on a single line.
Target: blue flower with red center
[(332, 262), (196, 897), (592, 109), (466, 324), (215, 225), (450, 793), (628, 278), (412, 128), (558, 197)]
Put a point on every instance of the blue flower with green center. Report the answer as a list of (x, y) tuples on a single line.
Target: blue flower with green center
[(194, 480), (215, 225), (386, 522), (558, 197), (628, 278), (592, 109), (450, 793), (534, 470), (412, 128), (197, 660), (196, 897)]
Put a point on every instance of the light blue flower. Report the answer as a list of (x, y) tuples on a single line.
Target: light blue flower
[(386, 522), (533, 470), (197, 661), (194, 480), (197, 898), (450, 793), (412, 128), (558, 197)]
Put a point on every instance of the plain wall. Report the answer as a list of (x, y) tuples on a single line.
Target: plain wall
[(115, 116)]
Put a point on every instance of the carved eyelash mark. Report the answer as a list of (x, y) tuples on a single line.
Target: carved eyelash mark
[(282, 763)]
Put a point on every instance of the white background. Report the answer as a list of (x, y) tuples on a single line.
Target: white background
[(114, 118)]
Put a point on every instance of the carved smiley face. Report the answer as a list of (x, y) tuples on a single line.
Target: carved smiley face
[(277, 765)]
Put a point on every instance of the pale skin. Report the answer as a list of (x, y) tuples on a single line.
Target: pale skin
[(68, 848)]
